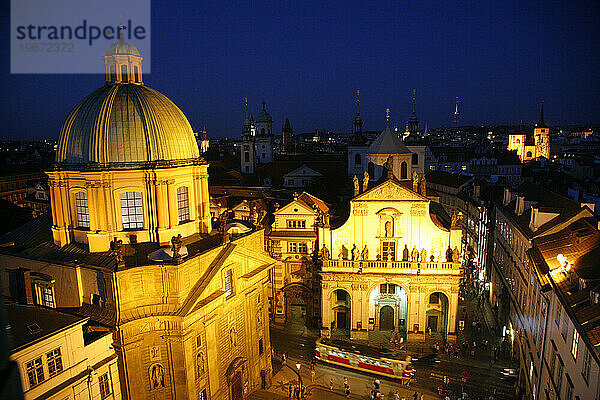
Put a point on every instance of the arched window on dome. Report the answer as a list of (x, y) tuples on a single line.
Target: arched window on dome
[(183, 204), (357, 159), (136, 74), (83, 213), (403, 170), (124, 77), (132, 212), (113, 73)]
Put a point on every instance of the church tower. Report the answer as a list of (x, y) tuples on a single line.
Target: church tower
[(357, 146), (541, 135), (286, 138), (247, 154), (264, 136), (413, 121)]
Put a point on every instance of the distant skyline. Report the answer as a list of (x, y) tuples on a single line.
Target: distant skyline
[(306, 60)]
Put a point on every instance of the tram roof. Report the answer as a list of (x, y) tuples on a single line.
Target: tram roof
[(364, 350)]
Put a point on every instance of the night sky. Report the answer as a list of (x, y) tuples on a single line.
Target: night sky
[(306, 60)]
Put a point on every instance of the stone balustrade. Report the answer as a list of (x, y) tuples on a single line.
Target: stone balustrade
[(396, 267)]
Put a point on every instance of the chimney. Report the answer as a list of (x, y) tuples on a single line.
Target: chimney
[(520, 205), (506, 198), (25, 289)]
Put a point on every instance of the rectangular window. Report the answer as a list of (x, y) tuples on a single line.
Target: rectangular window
[(575, 343), (292, 247), (83, 214), (55, 365), (35, 372), (389, 251), (569, 392), (586, 365), (228, 283), (302, 248), (183, 204), (559, 376), (294, 224), (104, 383), (47, 296), (260, 346), (131, 210)]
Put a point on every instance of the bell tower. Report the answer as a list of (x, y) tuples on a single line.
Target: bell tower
[(541, 135)]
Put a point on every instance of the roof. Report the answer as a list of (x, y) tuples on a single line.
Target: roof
[(125, 126), (388, 143), (264, 116), (309, 200), (303, 170), (29, 324), (448, 179), (122, 47)]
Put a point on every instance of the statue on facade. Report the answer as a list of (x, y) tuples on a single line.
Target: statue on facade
[(365, 253), (423, 186), (405, 253), (415, 181), (326, 219), (455, 254), (343, 253), (378, 257), (423, 255), (176, 244), (365, 181), (432, 258), (356, 185), (449, 254), (414, 254), (116, 248), (354, 252), (388, 229), (324, 253), (157, 376), (454, 219)]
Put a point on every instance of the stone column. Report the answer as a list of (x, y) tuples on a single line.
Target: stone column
[(92, 209), (172, 203), (325, 311), (205, 202), (101, 207), (162, 208), (110, 214)]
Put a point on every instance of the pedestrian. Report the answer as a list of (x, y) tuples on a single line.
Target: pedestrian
[(312, 375), (347, 390), (415, 396), (376, 384), (290, 390), (396, 395), (331, 384), (422, 396)]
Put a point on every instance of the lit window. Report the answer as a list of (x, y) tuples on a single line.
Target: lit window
[(574, 343), (46, 296), (131, 210), (293, 224), (302, 248), (83, 214), (104, 383), (183, 204), (55, 365), (228, 283), (434, 298), (35, 372), (389, 251), (586, 365), (292, 247)]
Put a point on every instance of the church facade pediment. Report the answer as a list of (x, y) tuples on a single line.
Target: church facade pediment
[(390, 190)]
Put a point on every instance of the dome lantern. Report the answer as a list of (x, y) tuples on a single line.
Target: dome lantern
[(122, 62)]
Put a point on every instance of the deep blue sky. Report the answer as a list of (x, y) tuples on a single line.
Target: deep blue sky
[(306, 60)]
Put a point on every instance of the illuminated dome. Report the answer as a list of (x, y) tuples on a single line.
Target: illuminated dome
[(123, 126), (122, 47)]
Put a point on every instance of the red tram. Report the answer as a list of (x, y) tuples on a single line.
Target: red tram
[(362, 358)]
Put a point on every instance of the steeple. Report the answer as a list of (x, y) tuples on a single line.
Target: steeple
[(541, 123), (247, 129), (413, 121), (358, 138)]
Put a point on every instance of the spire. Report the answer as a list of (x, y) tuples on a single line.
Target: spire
[(357, 102), (121, 28), (387, 117), (413, 121), (358, 138), (542, 122), (246, 104), (414, 101), (264, 105)]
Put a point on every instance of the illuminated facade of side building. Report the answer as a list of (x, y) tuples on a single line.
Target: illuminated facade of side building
[(531, 147)]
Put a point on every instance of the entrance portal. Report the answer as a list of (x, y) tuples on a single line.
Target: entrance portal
[(386, 322), (236, 386), (432, 323), (341, 319)]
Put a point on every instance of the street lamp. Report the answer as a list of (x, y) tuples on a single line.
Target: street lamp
[(298, 365)]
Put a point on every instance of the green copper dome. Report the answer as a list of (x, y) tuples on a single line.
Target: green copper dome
[(126, 126)]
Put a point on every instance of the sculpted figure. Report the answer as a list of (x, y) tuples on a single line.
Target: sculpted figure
[(354, 252), (378, 257), (456, 254), (423, 255), (365, 253), (405, 253), (326, 219), (325, 253), (415, 181), (365, 181), (176, 244), (356, 185), (116, 247), (388, 229), (414, 254), (423, 186), (449, 254)]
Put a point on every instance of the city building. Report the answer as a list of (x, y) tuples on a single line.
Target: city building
[(521, 292), (301, 177), (257, 141), (59, 357), (395, 264), (293, 241), (532, 146), (130, 244)]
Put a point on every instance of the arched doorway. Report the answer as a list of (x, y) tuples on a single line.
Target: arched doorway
[(388, 308), (341, 310), (386, 318), (298, 304), (437, 314)]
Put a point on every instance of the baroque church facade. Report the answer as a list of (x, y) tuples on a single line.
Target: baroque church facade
[(130, 244), (532, 146), (395, 264)]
